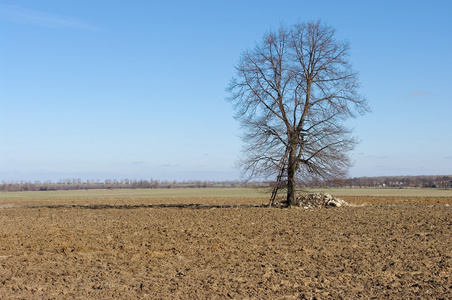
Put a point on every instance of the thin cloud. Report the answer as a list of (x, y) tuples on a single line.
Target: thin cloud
[(449, 157), (417, 94), (377, 157), (18, 14), (169, 165)]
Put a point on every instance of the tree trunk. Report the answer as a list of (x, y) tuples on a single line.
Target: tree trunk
[(291, 170)]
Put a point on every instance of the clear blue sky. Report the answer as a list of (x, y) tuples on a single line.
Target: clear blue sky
[(136, 89)]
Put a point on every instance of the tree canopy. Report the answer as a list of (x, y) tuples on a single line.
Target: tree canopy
[(292, 94)]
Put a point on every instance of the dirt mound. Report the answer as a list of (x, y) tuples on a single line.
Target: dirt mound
[(317, 200)]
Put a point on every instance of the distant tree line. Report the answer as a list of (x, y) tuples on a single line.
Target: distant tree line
[(441, 181), (444, 182), (79, 184)]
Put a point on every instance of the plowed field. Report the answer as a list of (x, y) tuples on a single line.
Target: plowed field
[(392, 247)]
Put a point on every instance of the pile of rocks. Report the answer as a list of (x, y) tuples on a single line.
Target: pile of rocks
[(319, 200)]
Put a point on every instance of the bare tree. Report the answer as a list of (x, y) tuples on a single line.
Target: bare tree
[(292, 94)]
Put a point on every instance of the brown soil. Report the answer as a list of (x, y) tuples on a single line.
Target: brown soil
[(391, 248)]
